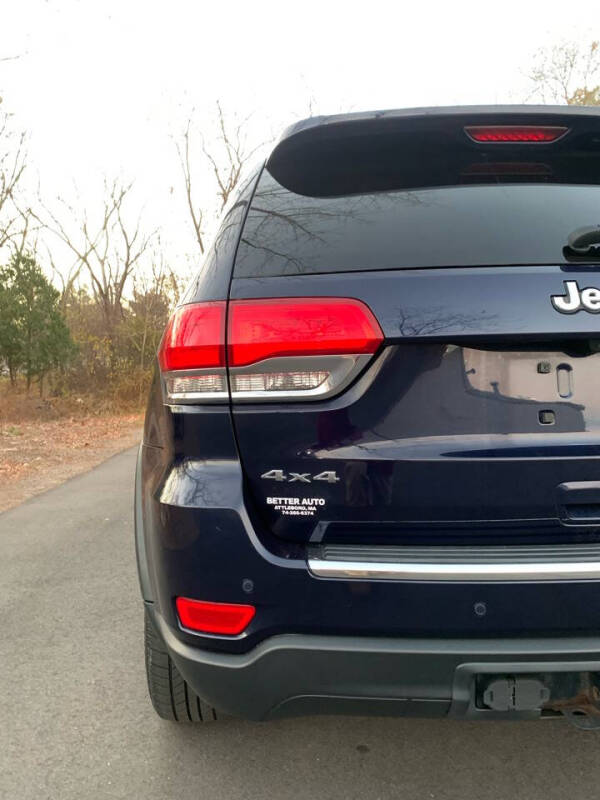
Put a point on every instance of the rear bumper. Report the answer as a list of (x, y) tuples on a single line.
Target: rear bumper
[(290, 675), (195, 538)]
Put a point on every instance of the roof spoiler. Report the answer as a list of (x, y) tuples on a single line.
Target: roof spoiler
[(408, 117), (319, 141)]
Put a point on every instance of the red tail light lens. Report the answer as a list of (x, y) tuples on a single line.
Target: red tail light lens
[(228, 619), (192, 354), (194, 338), (260, 329), (526, 134), (278, 349)]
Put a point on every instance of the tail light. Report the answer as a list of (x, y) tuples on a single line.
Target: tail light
[(229, 619), (192, 354), (298, 348), (277, 349), (515, 134)]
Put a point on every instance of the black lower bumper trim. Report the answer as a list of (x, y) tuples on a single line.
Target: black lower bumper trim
[(294, 674)]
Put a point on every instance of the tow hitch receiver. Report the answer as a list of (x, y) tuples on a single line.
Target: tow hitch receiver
[(515, 694), (576, 695)]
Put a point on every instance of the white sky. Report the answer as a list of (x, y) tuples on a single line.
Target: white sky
[(103, 85)]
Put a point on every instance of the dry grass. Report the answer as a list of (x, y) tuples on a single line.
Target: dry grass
[(43, 442), (17, 405)]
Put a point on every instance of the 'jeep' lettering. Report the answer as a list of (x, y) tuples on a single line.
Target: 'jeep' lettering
[(575, 299)]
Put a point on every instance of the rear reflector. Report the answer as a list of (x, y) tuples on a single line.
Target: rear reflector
[(260, 329), (228, 619), (194, 338), (525, 134)]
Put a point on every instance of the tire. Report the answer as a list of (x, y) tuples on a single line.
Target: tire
[(171, 695)]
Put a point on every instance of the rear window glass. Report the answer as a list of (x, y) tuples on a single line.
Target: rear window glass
[(418, 205)]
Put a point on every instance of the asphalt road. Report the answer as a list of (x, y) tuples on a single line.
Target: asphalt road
[(75, 721)]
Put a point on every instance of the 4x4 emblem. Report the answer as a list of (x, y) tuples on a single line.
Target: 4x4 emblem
[(299, 477), (575, 299)]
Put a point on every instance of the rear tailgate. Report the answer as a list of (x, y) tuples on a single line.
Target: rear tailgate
[(479, 418)]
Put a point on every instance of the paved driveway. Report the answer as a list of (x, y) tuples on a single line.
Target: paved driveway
[(75, 721)]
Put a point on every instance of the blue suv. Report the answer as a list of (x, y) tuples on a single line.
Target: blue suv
[(370, 475)]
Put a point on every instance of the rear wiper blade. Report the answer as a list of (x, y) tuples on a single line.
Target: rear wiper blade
[(584, 245), (582, 240)]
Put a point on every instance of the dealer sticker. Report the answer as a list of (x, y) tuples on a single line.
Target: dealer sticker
[(296, 506)]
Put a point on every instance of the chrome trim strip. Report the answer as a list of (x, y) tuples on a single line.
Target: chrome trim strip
[(459, 571)]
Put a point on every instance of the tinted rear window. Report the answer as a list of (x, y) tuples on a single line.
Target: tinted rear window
[(418, 202)]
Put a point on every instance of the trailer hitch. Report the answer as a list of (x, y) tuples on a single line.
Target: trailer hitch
[(575, 695)]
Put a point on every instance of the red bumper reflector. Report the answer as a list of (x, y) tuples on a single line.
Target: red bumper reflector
[(302, 326), (222, 618), (528, 134), (194, 338)]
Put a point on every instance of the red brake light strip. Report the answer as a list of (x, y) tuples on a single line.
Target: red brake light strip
[(515, 134), (260, 329)]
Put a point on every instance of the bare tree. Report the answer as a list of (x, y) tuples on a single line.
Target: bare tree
[(224, 160), (196, 213), (21, 241), (154, 294), (235, 153), (12, 166), (567, 73), (108, 250)]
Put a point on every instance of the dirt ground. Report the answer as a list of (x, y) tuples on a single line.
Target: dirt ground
[(37, 454)]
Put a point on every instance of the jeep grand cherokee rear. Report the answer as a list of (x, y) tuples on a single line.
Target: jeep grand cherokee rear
[(370, 475)]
